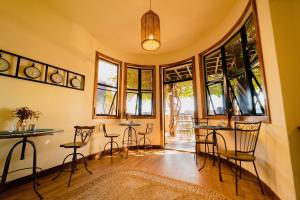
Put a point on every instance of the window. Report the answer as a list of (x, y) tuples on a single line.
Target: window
[(214, 83), (233, 76), (107, 83), (140, 90)]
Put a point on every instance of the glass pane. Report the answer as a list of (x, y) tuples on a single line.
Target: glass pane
[(146, 79), (240, 95), (132, 78), (215, 100), (182, 72), (251, 40), (234, 57), (106, 103), (257, 83), (132, 103), (107, 73), (213, 66), (146, 103)]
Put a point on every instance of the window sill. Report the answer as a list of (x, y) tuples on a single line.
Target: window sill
[(142, 117), (264, 119), (105, 117)]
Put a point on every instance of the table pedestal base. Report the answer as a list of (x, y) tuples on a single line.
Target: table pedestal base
[(130, 139), (215, 145), (34, 167)]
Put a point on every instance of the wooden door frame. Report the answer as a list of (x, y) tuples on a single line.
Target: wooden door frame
[(161, 93)]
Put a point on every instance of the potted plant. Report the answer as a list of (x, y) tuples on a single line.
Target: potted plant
[(25, 113)]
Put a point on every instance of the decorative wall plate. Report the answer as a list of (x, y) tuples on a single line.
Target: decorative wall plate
[(75, 82), (32, 72), (56, 77), (4, 64), (20, 67)]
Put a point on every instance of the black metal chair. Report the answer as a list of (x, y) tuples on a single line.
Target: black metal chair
[(202, 137), (83, 133), (246, 136), (111, 136), (144, 137)]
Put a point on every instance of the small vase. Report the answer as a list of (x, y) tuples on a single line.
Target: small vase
[(21, 125), (229, 120), (24, 125)]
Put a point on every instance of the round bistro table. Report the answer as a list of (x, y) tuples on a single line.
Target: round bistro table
[(214, 134), (130, 132)]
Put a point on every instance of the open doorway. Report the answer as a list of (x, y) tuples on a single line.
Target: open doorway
[(179, 105)]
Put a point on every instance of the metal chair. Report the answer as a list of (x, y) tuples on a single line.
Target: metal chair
[(83, 133), (111, 136), (246, 136), (184, 126), (149, 129), (202, 137)]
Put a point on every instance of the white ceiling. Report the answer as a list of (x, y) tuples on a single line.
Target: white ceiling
[(117, 22)]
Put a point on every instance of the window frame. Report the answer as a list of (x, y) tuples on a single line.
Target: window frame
[(119, 86), (236, 29), (140, 90)]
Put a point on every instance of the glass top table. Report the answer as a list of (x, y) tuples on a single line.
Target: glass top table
[(27, 133), (130, 124), (23, 142)]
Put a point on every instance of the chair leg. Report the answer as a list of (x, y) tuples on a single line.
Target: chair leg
[(62, 167), (104, 149), (220, 173), (144, 142), (196, 150), (240, 169), (262, 191), (149, 142), (236, 178), (75, 162), (85, 163), (117, 145), (111, 146), (205, 157), (72, 168), (139, 143)]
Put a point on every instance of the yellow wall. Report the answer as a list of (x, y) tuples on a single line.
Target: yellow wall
[(35, 29), (286, 25)]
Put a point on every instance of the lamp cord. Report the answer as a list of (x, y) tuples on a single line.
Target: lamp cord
[(150, 4)]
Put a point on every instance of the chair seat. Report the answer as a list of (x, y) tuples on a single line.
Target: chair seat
[(112, 135), (202, 141), (73, 145), (240, 156)]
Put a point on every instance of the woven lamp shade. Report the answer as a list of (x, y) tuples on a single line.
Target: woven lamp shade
[(150, 31)]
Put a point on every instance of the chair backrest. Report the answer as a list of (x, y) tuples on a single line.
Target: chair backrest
[(184, 125), (104, 130), (200, 132), (200, 122), (246, 136), (84, 133), (149, 127)]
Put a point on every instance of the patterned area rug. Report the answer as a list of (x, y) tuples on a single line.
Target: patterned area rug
[(134, 185)]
